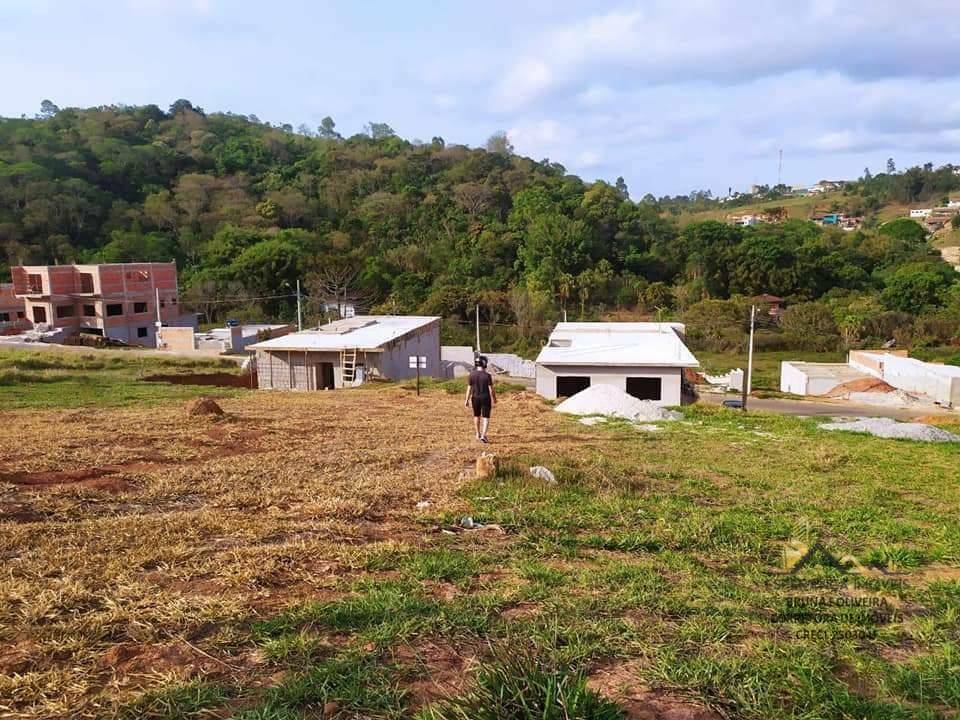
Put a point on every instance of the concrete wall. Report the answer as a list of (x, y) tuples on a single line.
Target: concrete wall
[(178, 339), (456, 360), (394, 363), (792, 379), (670, 378)]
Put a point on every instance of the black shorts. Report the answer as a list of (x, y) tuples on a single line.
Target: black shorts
[(481, 407)]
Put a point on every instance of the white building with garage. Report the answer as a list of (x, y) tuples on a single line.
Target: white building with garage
[(644, 359), (346, 352)]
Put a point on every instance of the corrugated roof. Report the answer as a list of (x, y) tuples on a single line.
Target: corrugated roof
[(634, 344), (366, 332)]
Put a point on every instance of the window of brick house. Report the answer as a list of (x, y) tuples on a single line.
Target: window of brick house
[(66, 311), (39, 314), (141, 332), (139, 308), (4, 317), (86, 282), (114, 309), (35, 283), (89, 310)]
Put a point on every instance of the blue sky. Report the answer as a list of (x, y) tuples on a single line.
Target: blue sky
[(673, 95)]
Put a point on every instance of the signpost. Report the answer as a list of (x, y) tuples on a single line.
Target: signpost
[(420, 363)]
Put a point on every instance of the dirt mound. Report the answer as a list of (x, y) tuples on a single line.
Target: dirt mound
[(204, 406), (867, 384), (134, 659)]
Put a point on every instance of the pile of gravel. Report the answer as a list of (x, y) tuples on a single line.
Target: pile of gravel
[(612, 401), (889, 428)]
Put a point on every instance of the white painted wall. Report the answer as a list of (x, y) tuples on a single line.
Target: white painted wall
[(670, 378), (792, 379)]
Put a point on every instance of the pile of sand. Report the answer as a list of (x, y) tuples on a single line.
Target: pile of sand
[(614, 402), (861, 385), (889, 428), (204, 406)]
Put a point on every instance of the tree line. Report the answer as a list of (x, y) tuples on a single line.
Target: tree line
[(247, 209)]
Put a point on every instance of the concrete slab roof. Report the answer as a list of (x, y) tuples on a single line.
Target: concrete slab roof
[(841, 372), (363, 332), (613, 343)]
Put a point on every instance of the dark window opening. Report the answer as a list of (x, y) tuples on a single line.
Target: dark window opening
[(4, 317), (21, 315), (91, 331), (86, 283), (644, 388), (39, 314), (89, 310), (141, 332), (65, 311), (114, 310), (139, 308), (571, 384), (35, 282)]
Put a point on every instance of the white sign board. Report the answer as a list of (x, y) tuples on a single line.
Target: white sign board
[(423, 361)]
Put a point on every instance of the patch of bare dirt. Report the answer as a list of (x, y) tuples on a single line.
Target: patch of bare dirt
[(93, 478), (17, 656), (440, 670), (621, 683), (217, 379), (868, 384), (128, 660), (521, 611)]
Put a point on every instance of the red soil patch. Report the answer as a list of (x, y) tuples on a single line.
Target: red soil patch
[(868, 384), (521, 611), (621, 683), (16, 657), (217, 379), (92, 478), (441, 670), (132, 659)]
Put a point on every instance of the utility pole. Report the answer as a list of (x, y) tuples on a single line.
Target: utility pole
[(749, 378), (159, 324), (478, 328), (299, 308), (780, 169)]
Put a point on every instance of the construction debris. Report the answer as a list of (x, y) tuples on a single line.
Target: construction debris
[(542, 473), (889, 428), (204, 406), (611, 401)]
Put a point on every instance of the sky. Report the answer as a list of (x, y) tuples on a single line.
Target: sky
[(672, 95)]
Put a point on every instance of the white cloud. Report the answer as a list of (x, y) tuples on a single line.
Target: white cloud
[(195, 7), (596, 95), (589, 158), (444, 101)]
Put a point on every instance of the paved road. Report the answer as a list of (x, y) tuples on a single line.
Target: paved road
[(837, 408)]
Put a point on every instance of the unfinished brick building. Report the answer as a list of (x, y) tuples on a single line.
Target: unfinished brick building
[(13, 315), (118, 301)]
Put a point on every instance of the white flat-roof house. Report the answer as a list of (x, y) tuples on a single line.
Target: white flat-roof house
[(644, 359), (345, 352)]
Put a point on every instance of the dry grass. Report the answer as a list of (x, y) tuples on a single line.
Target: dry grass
[(197, 525)]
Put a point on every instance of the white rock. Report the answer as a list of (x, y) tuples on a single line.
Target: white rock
[(539, 471)]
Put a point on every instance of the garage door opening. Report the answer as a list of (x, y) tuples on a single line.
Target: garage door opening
[(571, 385), (644, 388)]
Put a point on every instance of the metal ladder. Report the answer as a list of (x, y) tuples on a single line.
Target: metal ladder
[(348, 365)]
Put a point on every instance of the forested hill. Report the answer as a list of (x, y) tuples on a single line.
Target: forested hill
[(246, 209)]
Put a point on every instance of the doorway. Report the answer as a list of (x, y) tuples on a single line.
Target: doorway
[(324, 377)]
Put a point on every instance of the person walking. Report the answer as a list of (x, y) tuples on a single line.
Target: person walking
[(481, 396)]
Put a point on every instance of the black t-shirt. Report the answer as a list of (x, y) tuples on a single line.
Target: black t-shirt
[(480, 382)]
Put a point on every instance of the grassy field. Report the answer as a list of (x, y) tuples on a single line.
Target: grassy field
[(305, 556), (37, 379)]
